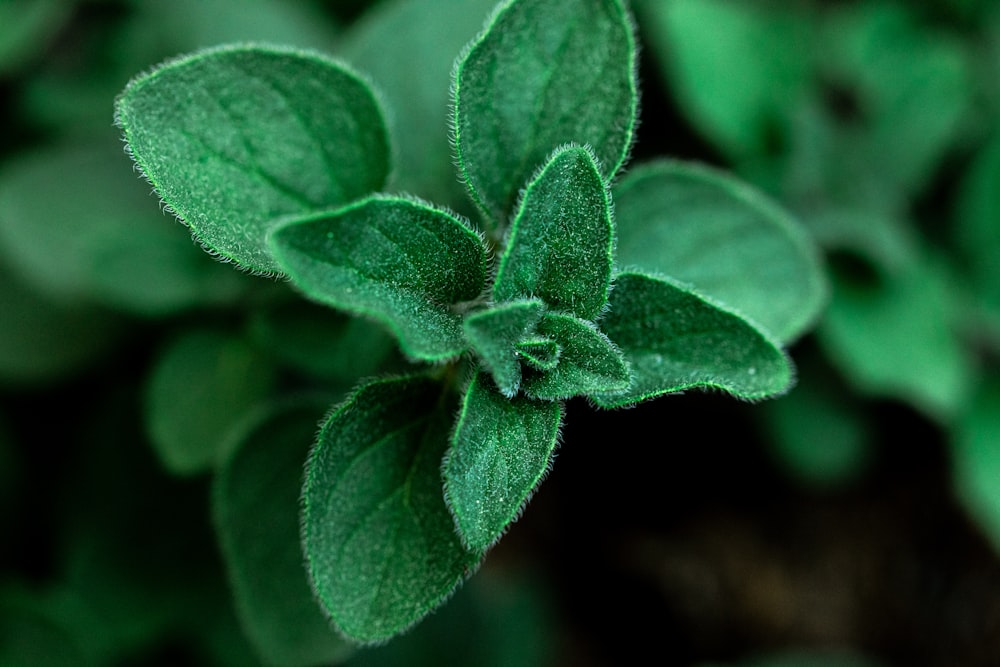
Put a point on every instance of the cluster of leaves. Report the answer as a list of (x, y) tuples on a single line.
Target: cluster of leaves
[(277, 159), (852, 115)]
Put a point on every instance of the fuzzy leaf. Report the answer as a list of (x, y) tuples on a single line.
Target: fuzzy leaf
[(256, 510), (673, 339), (588, 362), (708, 229), (380, 543), (235, 137), (543, 74), (562, 241), (495, 334), (540, 353), (499, 453), (400, 261), (202, 385)]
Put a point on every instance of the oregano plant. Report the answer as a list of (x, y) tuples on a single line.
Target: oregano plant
[(575, 280)]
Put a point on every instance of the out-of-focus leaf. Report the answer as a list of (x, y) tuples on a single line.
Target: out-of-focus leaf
[(737, 69), (476, 627), (723, 237), (256, 508), (899, 337), (975, 458), (323, 342), (27, 27), (187, 25), (977, 223), (204, 382), (30, 638), (80, 225), (912, 83), (235, 137), (408, 51), (816, 435), (43, 340)]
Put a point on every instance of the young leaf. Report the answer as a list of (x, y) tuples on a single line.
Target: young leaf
[(588, 362), (255, 503), (673, 339), (380, 543), (543, 74), (495, 335), (499, 453), (561, 243), (398, 260), (705, 228), (539, 352), (235, 137), (201, 386)]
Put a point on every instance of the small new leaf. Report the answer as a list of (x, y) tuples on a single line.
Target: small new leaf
[(673, 339), (235, 137), (398, 260), (544, 73), (495, 335), (561, 243), (587, 363), (499, 453), (380, 542)]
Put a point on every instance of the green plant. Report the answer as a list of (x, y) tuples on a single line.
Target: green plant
[(279, 161)]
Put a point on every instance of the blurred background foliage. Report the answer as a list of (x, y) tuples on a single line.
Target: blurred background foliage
[(855, 521)]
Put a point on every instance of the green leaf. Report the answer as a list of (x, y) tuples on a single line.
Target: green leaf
[(322, 342), (26, 28), (673, 339), (255, 502), (499, 454), (736, 68), (401, 261), (540, 353), (42, 339), (80, 226), (588, 362), (495, 335), (977, 222), (706, 228), (975, 456), (900, 337), (561, 244), (204, 382), (235, 137), (543, 74), (380, 543), (409, 51)]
